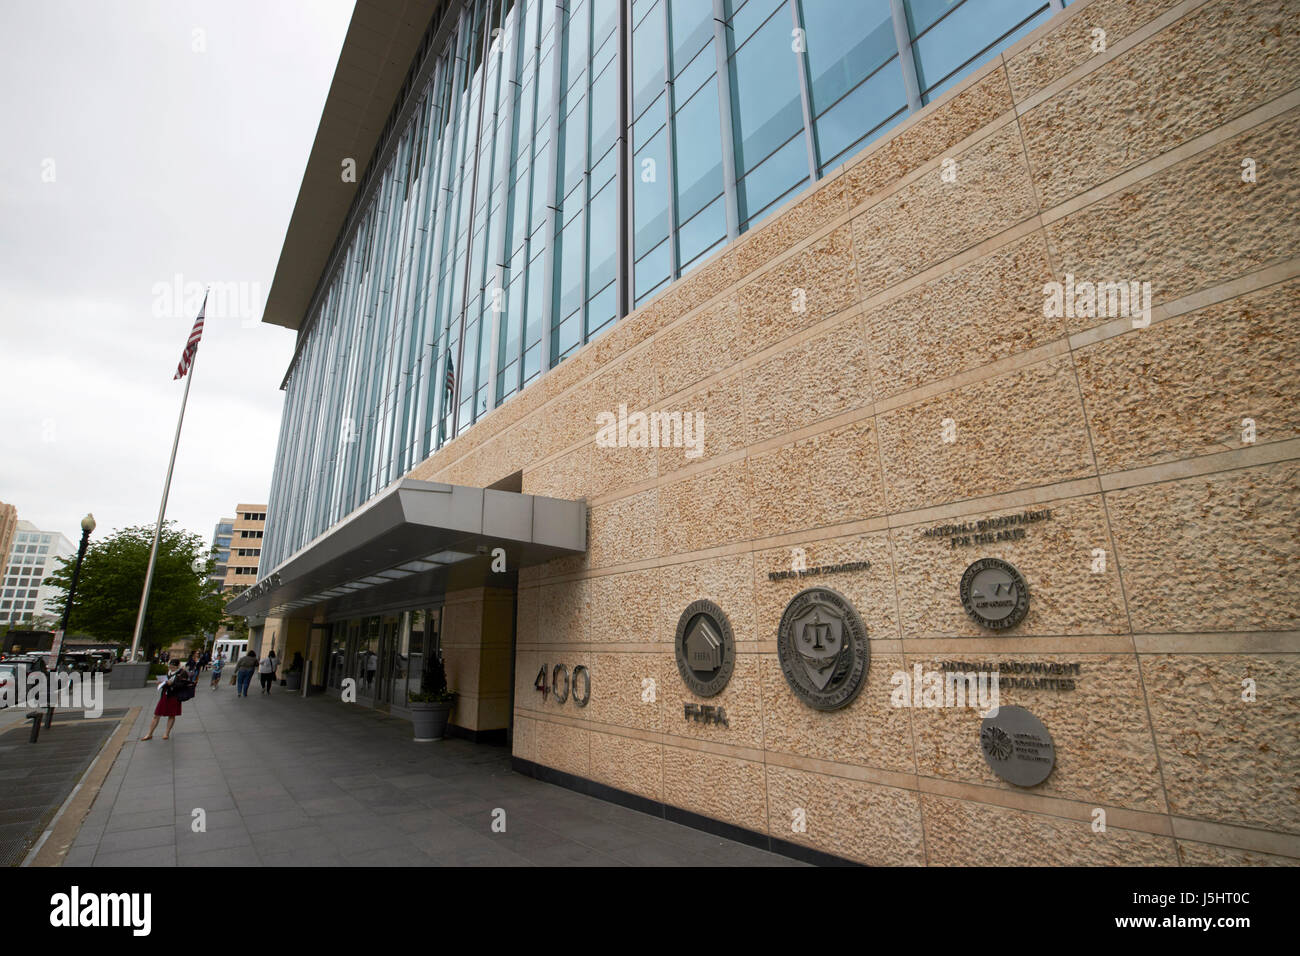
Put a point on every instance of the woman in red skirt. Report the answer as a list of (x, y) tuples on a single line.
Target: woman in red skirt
[(168, 705)]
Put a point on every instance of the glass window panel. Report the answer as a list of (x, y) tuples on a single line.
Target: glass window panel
[(691, 27), (651, 121), (648, 59), (746, 18), (569, 335), (568, 255), (604, 110), (937, 90), (781, 172), (603, 171), (651, 271), (703, 232), (765, 94), (921, 14), (575, 144), (698, 170), (694, 75), (604, 18), (603, 242), (532, 363), (650, 193), (856, 116), (843, 50), (576, 40), (964, 33), (602, 309)]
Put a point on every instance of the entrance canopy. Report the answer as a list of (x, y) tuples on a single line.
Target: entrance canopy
[(414, 542)]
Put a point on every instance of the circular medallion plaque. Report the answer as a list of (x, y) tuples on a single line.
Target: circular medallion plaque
[(706, 648), (994, 594), (1017, 747), (822, 645)]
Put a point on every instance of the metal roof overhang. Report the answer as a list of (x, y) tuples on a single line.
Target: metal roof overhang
[(413, 543)]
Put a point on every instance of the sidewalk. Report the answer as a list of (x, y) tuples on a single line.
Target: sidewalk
[(289, 782)]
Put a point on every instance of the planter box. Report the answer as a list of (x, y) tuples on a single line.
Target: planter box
[(126, 676), (429, 720)]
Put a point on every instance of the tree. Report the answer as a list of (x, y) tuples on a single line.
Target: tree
[(112, 578), (236, 626)]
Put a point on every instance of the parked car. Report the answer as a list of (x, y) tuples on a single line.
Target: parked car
[(14, 669)]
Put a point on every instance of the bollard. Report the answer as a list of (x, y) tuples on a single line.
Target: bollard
[(36, 725)]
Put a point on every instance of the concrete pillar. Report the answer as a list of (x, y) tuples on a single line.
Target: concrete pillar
[(478, 646)]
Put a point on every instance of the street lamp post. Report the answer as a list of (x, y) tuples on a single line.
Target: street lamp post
[(87, 526)]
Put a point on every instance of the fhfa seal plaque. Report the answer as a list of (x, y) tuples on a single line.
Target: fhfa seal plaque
[(1017, 747), (822, 644), (994, 594), (706, 648)]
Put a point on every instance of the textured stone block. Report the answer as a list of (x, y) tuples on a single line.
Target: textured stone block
[(1225, 759), (962, 833), (623, 530), (818, 379), (866, 733), (628, 764), (1055, 557), (1211, 226), (564, 747), (986, 310), (727, 581), (618, 688), (1183, 387), (741, 699), (822, 204), (712, 785), (879, 826), (930, 220), (621, 608), (1103, 742), (1211, 553), (707, 343), (1207, 854), (823, 272), (825, 479), (1223, 60), (717, 429), (1016, 430), (706, 510)]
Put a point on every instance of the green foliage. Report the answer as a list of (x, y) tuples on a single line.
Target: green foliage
[(433, 684), (236, 626), (181, 602)]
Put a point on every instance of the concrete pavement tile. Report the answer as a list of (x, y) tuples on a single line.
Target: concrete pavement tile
[(120, 840), (150, 856)]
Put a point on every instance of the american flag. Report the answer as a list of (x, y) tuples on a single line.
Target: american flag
[(451, 376), (192, 344)]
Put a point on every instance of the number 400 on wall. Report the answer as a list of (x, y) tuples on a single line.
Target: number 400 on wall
[(561, 690)]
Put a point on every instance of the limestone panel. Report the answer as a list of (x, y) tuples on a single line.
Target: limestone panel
[(867, 733), (628, 764), (716, 786), (962, 833), (986, 310), (1211, 553), (819, 277), (875, 825), (727, 581), (1060, 50), (703, 511), (1224, 758), (1104, 751), (1056, 557), (623, 530), (568, 476), (822, 205), (741, 699), (946, 125), (564, 747), (1015, 430), (614, 468), (523, 742), (818, 379), (707, 343), (870, 590), (1183, 387), (717, 420), (1223, 60), (621, 608), (1207, 854), (825, 479), (1191, 226), (930, 220), (619, 688)]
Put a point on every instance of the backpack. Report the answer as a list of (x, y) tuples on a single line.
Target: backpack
[(185, 690)]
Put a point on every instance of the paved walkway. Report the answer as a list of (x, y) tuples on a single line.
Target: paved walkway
[(285, 781)]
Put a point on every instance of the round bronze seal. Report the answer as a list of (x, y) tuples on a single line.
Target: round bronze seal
[(1017, 747), (994, 594), (706, 648), (822, 645)]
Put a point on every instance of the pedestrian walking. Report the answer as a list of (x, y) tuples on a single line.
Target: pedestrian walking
[(266, 671), (217, 666), (171, 691), (244, 673)]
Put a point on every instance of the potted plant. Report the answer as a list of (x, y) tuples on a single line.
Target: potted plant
[(431, 704)]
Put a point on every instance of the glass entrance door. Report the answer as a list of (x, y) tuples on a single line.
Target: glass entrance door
[(387, 663)]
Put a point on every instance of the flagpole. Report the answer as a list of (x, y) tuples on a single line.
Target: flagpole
[(162, 508)]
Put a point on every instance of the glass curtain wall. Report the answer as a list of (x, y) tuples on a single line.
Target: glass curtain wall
[(551, 165)]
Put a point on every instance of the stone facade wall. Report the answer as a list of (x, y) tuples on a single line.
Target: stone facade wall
[(922, 301)]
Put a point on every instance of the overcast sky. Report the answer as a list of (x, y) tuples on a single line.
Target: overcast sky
[(175, 133)]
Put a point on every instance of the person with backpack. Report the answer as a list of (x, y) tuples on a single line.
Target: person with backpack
[(266, 671), (172, 690), (244, 673)]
